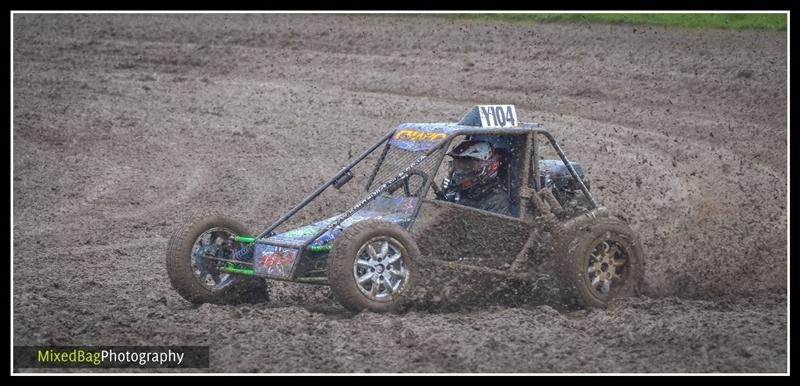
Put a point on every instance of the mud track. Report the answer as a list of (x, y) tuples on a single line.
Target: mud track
[(125, 125)]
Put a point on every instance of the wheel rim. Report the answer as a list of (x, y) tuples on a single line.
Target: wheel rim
[(379, 269), (211, 243), (607, 267)]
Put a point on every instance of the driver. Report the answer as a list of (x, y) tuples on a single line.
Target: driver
[(474, 177)]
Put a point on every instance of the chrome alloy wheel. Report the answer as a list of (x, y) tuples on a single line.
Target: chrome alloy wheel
[(211, 243), (379, 270)]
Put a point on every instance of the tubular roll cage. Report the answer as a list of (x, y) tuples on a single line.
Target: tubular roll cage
[(528, 129), (530, 147)]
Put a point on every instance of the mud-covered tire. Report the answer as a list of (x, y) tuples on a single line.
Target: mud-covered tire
[(577, 262), (347, 248), (188, 285)]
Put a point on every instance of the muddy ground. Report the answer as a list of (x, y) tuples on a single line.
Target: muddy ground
[(126, 125)]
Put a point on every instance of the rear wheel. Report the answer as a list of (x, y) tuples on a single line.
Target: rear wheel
[(372, 266), (196, 276), (601, 261)]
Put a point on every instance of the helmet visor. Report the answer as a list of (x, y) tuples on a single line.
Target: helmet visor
[(465, 171), (465, 165)]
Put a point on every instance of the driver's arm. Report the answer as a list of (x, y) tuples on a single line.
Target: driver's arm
[(498, 202)]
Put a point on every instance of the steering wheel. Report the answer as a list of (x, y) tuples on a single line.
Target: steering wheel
[(404, 183)]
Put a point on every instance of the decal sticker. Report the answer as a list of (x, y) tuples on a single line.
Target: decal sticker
[(274, 261), (243, 253), (415, 137), (412, 135)]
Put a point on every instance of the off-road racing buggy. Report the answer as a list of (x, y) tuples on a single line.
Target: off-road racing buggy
[(369, 253)]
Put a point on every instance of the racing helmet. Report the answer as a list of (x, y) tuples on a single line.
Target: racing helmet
[(475, 164)]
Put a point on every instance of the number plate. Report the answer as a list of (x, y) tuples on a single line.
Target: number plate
[(497, 116)]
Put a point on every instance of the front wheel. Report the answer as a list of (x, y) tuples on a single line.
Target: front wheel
[(601, 261), (194, 271), (372, 266)]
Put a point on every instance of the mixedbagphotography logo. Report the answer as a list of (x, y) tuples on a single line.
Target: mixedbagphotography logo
[(111, 356)]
